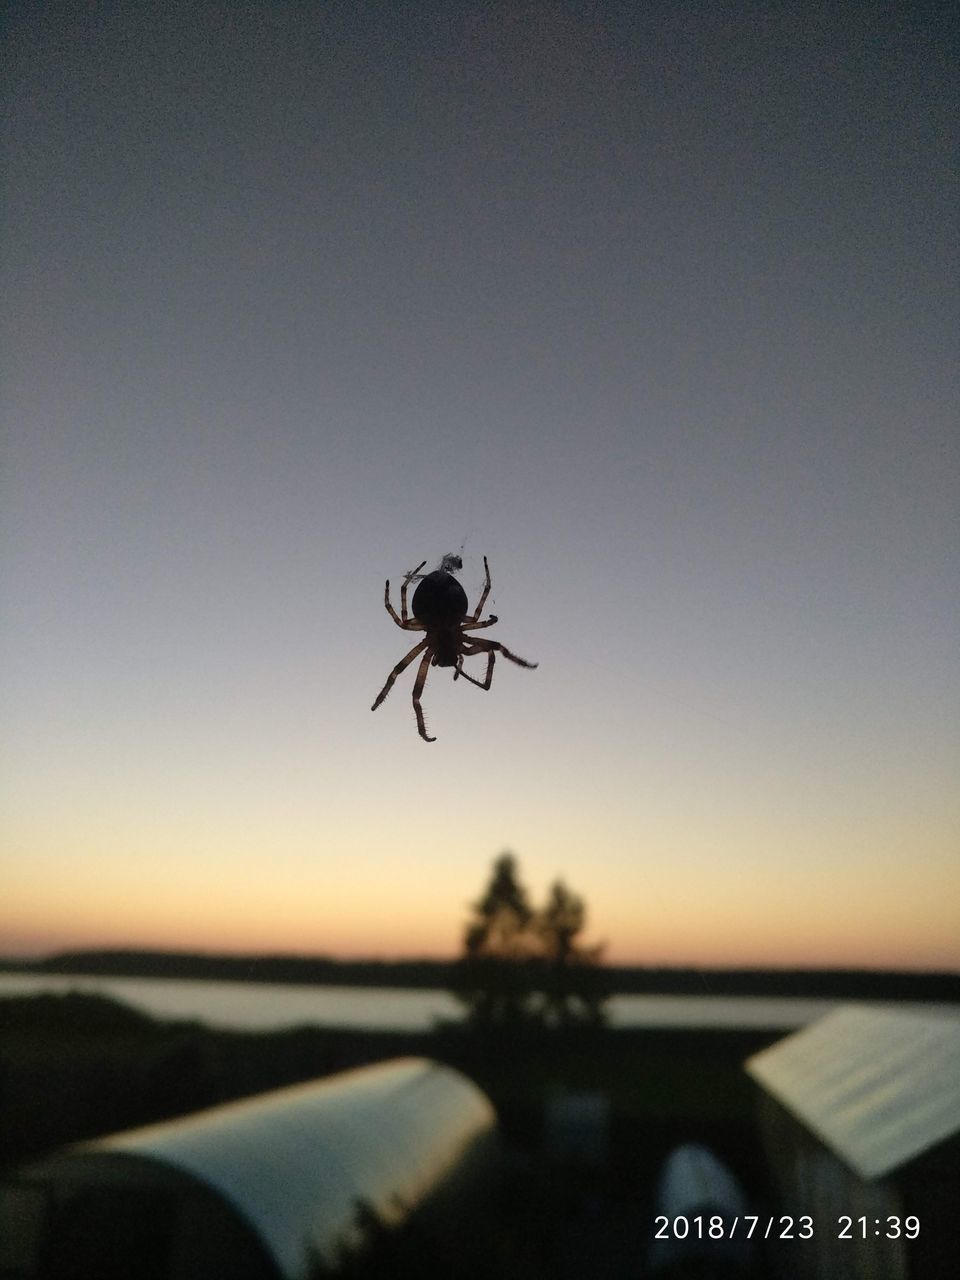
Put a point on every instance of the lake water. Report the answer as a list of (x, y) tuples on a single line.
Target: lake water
[(255, 1006)]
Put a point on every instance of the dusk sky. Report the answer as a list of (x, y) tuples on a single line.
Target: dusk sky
[(655, 305)]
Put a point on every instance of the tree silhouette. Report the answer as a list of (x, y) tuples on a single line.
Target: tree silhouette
[(574, 984), (523, 965), (503, 921)]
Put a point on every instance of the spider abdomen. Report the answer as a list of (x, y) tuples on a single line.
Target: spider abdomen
[(440, 608), (439, 601)]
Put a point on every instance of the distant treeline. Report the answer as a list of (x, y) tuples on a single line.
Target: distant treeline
[(847, 984)]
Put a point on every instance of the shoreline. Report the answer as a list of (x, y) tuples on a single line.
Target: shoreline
[(439, 975)]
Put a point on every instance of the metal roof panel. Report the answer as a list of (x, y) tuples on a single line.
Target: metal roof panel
[(878, 1087)]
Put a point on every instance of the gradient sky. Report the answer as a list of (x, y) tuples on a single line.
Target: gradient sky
[(654, 305)]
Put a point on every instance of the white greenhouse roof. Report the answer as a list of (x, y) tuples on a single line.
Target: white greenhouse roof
[(878, 1087), (295, 1162)]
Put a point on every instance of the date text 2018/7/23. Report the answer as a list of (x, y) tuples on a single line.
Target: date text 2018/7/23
[(782, 1227)]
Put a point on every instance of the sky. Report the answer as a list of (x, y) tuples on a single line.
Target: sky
[(654, 305)]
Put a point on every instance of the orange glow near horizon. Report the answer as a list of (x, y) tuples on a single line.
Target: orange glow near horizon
[(721, 929), (681, 875), (25, 944)]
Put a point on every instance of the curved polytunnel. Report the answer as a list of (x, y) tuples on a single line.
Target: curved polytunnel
[(285, 1184)]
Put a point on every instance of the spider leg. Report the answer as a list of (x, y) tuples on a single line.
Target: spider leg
[(401, 666), (407, 579), (487, 646), (475, 626), (491, 656), (417, 690), (406, 624), (483, 595)]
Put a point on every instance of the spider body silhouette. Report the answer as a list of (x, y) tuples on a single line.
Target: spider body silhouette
[(440, 609)]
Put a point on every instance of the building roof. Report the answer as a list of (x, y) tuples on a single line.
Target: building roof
[(298, 1162), (878, 1087)]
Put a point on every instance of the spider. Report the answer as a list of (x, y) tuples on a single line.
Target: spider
[(440, 609)]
